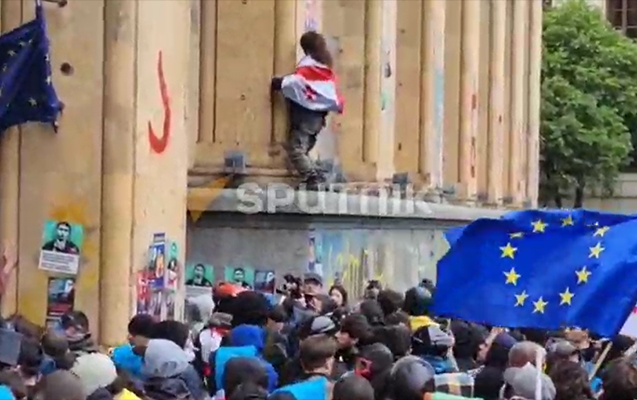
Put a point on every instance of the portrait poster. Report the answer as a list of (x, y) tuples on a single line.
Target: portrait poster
[(200, 279), (243, 276), (157, 261), (143, 292), (264, 281), (172, 267), (60, 299), (61, 246), (315, 264)]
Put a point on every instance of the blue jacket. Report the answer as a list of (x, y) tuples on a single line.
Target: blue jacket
[(124, 358), (247, 341), (311, 389)]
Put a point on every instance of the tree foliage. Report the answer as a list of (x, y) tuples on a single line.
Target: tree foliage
[(589, 102)]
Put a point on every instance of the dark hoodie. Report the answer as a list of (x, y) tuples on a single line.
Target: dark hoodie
[(490, 379)]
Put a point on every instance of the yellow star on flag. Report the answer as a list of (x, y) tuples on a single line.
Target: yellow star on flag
[(582, 275), (596, 251), (508, 251), (512, 277), (568, 221), (601, 231), (520, 299), (33, 102), (516, 235), (539, 226), (539, 306), (566, 297)]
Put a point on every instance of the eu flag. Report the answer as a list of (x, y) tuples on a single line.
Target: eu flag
[(26, 89), (542, 269)]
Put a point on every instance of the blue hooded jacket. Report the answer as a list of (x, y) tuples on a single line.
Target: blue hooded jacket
[(124, 358), (247, 341)]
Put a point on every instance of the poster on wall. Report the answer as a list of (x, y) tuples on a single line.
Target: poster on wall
[(143, 292), (315, 264), (200, 279), (60, 300), (61, 247), (172, 269), (243, 276), (265, 281), (157, 261)]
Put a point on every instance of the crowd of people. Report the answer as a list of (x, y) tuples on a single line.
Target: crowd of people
[(312, 344)]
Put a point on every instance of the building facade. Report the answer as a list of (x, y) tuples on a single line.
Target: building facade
[(163, 97)]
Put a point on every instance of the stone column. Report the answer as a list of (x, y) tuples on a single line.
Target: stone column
[(372, 123), (145, 177), (533, 134), (470, 59), (517, 134), (432, 89), (496, 101)]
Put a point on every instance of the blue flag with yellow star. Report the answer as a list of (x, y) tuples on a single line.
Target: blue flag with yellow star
[(542, 269), (26, 90)]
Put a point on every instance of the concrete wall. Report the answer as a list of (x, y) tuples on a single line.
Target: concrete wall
[(397, 252), (623, 198)]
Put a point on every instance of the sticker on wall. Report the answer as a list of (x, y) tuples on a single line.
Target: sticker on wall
[(157, 261), (200, 279), (61, 244), (264, 281), (60, 299), (240, 276)]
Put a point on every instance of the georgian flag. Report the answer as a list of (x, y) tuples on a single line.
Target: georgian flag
[(313, 86)]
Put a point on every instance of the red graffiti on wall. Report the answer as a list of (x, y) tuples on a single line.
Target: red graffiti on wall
[(159, 144)]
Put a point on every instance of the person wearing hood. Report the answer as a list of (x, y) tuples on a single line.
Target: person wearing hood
[(199, 309), (245, 341), (77, 331), (433, 345), (140, 330), (520, 383), (168, 371), (490, 378), (98, 376), (317, 360)]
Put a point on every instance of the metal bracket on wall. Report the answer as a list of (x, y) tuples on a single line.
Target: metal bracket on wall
[(235, 163)]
